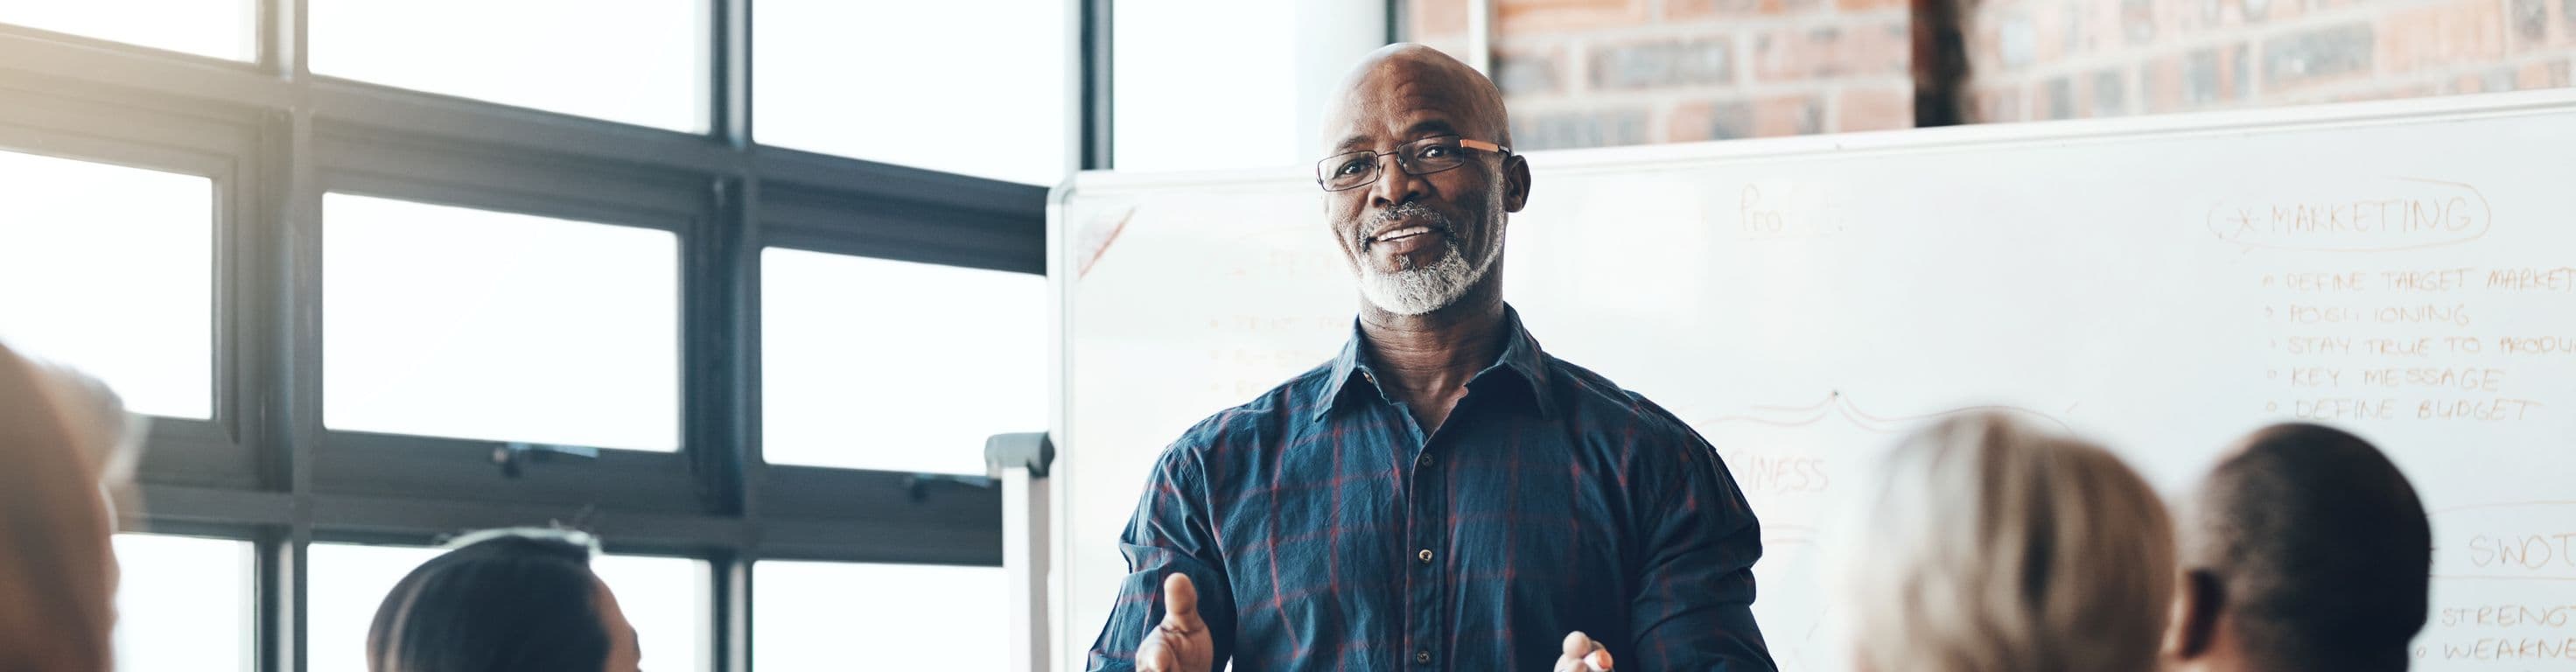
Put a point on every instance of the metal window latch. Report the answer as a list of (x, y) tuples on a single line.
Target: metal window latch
[(918, 485), (512, 456), (1022, 449), (1030, 449)]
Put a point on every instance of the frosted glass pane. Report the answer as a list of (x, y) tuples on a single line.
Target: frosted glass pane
[(857, 79), (217, 28), (111, 270), (485, 325), (634, 61), (876, 364), (1180, 60), (814, 615), (661, 597), (182, 603)]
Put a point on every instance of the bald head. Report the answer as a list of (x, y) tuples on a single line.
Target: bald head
[(1423, 232), (2315, 549), (1403, 78)]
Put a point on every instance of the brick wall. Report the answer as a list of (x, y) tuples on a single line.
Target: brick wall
[(1588, 73), (1592, 73), (2055, 59)]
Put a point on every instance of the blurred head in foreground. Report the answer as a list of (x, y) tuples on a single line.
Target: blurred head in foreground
[(1995, 547), (2304, 549), (64, 442), (514, 600)]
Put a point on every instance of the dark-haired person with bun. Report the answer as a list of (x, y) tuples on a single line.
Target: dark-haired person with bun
[(2305, 549), (515, 600)]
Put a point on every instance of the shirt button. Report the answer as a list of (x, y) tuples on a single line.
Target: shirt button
[(1425, 460), (1425, 555), (1423, 657)]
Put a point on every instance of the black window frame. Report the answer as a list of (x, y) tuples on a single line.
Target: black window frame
[(275, 138)]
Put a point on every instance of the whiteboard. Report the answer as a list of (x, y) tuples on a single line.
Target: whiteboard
[(2164, 285)]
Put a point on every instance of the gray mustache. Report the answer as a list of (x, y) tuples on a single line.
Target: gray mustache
[(1403, 211)]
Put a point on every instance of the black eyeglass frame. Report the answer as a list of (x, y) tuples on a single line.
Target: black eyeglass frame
[(1407, 157)]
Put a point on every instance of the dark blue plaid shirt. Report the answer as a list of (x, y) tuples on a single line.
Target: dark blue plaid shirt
[(1325, 531)]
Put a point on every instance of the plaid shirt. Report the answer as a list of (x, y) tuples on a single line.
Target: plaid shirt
[(1325, 531)]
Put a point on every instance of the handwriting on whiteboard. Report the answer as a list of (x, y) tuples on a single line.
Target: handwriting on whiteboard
[(2356, 216), (1787, 210)]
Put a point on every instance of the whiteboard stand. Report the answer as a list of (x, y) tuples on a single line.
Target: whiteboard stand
[(1019, 462)]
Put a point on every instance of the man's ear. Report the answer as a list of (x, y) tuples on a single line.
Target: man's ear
[(2198, 604), (1516, 183)]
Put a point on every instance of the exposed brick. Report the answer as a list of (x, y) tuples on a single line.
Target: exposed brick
[(1542, 17), (1704, 120), (2256, 11), (2499, 79), (2467, 31), (2048, 41), (2541, 75), (1455, 46), (2279, 10), (2074, 40), (2216, 74), (2162, 80), (2138, 19), (1530, 72), (1788, 115), (1643, 65), (1984, 48), (1997, 104), (1879, 48), (2057, 98), (1584, 128), (1425, 19), (1873, 109), (2317, 55), (1868, 5), (2391, 91), (1685, 10), (2018, 45), (2531, 23), (2110, 93)]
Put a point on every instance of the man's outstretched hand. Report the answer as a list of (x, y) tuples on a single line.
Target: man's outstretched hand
[(1581, 654), (1180, 643)]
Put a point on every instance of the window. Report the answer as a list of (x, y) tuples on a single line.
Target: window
[(893, 82), (660, 596), (127, 257), (1179, 61), (410, 229), (812, 615), (485, 325), (632, 61), (216, 28), (182, 603), (894, 365)]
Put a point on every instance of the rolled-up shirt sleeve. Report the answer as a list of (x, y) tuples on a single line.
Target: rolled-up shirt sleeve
[(1170, 532), (1694, 604)]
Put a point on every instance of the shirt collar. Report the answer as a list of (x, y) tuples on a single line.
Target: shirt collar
[(1521, 355)]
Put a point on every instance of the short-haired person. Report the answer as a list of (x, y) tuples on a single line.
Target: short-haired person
[(64, 441), (1992, 546), (2304, 550), (513, 600)]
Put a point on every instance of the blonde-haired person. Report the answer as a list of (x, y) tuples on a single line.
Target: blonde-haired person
[(1995, 547), (63, 440)]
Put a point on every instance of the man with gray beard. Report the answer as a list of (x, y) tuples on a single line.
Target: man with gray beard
[(1444, 494)]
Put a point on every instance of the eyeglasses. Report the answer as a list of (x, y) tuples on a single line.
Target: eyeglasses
[(1353, 170)]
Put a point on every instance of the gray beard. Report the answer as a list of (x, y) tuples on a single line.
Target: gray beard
[(1422, 289)]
